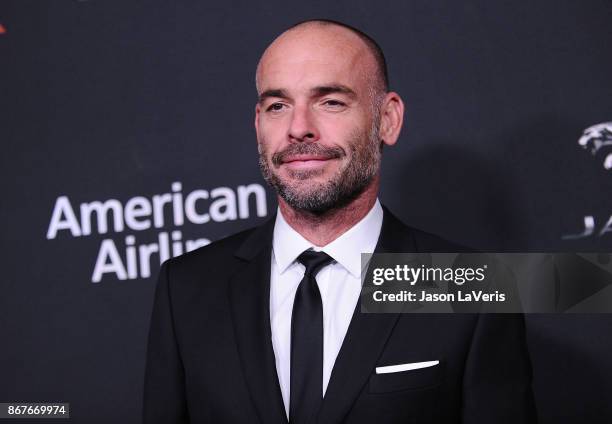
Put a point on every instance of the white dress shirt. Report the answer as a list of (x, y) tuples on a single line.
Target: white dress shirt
[(339, 284)]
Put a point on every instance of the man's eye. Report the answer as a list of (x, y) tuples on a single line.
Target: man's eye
[(275, 107), (333, 103)]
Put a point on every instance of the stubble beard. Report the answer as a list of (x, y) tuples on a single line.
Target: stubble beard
[(303, 194)]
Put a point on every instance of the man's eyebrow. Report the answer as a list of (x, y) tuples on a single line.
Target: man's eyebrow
[(275, 92), (332, 88), (321, 90)]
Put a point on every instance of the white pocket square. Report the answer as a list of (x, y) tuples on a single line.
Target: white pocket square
[(405, 367)]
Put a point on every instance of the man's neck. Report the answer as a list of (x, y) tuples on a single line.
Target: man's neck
[(322, 229)]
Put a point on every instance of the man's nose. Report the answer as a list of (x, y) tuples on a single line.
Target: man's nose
[(302, 127)]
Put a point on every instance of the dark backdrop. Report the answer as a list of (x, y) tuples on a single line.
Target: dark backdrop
[(120, 99)]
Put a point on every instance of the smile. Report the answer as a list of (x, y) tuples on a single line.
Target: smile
[(306, 161)]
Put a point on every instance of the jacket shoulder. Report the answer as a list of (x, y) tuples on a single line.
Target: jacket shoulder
[(220, 251), (399, 237), (429, 242)]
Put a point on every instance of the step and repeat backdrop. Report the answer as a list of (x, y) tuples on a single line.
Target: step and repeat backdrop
[(127, 138)]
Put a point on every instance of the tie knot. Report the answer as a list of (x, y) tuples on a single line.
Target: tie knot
[(314, 261)]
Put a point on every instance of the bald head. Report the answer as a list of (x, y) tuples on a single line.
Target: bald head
[(313, 36)]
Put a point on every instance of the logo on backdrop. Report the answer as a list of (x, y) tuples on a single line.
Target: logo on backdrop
[(594, 139), (130, 260)]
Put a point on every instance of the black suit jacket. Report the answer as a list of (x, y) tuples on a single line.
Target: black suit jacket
[(210, 356)]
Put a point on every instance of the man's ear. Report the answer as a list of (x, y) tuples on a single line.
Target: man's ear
[(391, 118)]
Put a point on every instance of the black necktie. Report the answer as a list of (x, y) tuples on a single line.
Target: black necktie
[(306, 384)]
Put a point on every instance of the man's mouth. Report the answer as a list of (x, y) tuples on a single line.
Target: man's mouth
[(305, 158), (306, 161)]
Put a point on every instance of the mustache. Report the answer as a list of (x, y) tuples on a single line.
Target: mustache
[(307, 149)]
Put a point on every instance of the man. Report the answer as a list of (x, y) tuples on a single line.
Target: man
[(264, 326)]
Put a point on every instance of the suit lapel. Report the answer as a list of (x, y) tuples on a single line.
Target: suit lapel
[(250, 302), (365, 338)]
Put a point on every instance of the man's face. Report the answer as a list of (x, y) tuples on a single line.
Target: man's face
[(317, 128)]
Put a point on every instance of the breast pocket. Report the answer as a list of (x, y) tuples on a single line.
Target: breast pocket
[(407, 376)]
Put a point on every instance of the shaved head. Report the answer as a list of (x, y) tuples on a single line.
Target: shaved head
[(375, 50), (377, 74)]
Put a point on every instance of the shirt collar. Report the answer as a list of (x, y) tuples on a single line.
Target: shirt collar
[(288, 244)]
